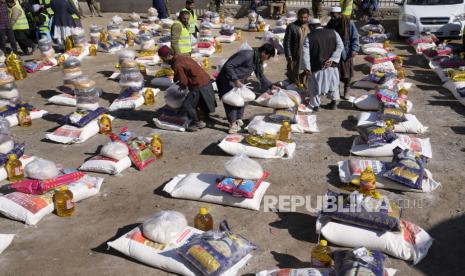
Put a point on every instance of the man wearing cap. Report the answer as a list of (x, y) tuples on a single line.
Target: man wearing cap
[(189, 75), (321, 54), (349, 35), (193, 28), (293, 41), (180, 35)]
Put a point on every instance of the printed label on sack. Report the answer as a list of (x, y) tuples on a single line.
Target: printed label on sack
[(30, 202), (137, 236), (412, 142), (234, 138), (68, 131), (409, 231)]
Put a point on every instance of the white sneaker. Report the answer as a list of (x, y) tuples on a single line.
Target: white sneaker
[(234, 128), (239, 122)]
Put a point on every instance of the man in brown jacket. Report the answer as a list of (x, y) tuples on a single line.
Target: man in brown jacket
[(189, 75)]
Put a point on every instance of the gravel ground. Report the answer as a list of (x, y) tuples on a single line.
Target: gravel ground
[(77, 245)]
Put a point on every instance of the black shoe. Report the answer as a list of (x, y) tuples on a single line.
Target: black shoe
[(346, 93), (195, 126), (192, 128), (315, 108), (332, 105)]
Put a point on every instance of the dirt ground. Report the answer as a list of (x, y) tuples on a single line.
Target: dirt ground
[(77, 245)]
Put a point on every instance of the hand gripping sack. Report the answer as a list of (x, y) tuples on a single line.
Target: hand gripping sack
[(242, 167), (233, 98), (164, 226), (174, 96)]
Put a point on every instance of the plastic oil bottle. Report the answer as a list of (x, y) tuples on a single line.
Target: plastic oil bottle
[(105, 124), (321, 255), (64, 202), (238, 35), (69, 43), (285, 132), (205, 63), (218, 47), (24, 117), (157, 146), (203, 220), (149, 97), (400, 74), (92, 50), (14, 168)]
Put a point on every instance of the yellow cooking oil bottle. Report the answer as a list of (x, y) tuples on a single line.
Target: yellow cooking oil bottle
[(64, 202), (24, 117), (105, 124), (321, 255), (157, 146), (203, 220), (218, 47), (14, 168), (285, 132), (149, 97)]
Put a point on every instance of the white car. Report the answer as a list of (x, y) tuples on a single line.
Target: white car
[(444, 18)]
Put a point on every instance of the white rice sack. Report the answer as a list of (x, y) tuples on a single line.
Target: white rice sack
[(411, 244), (241, 166), (226, 38), (280, 99), (233, 98), (305, 123), (41, 169), (131, 102), (5, 241), (418, 145), (68, 134), (116, 150), (164, 227), (30, 209), (133, 244), (452, 87), (298, 272), (202, 187), (6, 146), (412, 125), (63, 99), (35, 114), (232, 145), (103, 164), (346, 176), (9, 94), (371, 103)]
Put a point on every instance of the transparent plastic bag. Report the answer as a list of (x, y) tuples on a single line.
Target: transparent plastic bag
[(280, 100), (241, 166), (164, 227), (41, 169), (6, 143), (202, 250), (115, 150), (233, 98)]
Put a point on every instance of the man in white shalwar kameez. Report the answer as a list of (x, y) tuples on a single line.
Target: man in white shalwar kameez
[(321, 54)]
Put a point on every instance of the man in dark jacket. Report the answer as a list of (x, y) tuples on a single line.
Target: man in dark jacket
[(349, 35), (6, 29), (189, 75), (293, 41), (235, 71)]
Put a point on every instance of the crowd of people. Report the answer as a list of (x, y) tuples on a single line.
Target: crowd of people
[(24, 22), (318, 59)]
